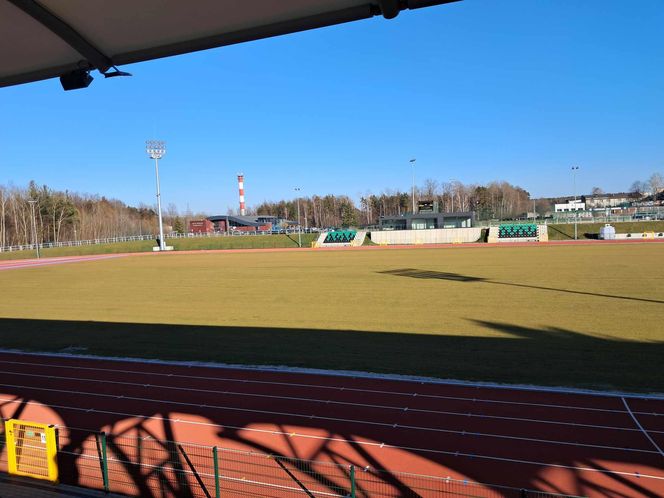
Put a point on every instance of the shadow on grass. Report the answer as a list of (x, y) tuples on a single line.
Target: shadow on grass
[(439, 275), (546, 356), (525, 355), (565, 235)]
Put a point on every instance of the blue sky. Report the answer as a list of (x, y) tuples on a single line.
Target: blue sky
[(516, 90)]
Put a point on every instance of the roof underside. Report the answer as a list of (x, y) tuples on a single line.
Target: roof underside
[(42, 39)]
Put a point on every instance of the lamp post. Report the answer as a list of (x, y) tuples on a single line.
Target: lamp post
[(412, 163), (156, 150), (576, 211), (299, 225), (34, 227), (452, 183)]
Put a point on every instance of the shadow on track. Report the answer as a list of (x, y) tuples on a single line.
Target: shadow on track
[(523, 355)]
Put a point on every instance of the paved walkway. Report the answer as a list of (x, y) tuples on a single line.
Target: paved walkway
[(16, 487)]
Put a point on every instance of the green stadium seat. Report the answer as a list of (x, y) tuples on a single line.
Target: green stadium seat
[(340, 237), (517, 231)]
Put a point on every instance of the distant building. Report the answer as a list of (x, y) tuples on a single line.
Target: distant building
[(602, 201), (201, 226), (257, 223), (570, 206), (427, 216)]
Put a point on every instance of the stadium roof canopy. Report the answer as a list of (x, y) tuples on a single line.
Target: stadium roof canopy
[(43, 39)]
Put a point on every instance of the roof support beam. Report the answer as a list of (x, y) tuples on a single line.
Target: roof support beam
[(65, 32), (418, 4)]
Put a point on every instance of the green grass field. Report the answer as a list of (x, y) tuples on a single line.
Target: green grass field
[(585, 316), (198, 243), (591, 230)]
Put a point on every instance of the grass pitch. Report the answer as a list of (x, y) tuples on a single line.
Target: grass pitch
[(194, 243), (591, 230), (585, 316)]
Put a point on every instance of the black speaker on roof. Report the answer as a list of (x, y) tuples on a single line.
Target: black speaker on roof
[(79, 78)]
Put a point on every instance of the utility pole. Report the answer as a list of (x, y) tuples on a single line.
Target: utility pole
[(412, 163), (299, 225), (576, 211), (34, 227)]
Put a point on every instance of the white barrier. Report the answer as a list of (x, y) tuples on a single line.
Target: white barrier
[(429, 236), (640, 235)]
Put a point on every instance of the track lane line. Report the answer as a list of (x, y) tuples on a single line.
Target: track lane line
[(343, 440), (337, 388), (55, 261), (330, 402), (337, 419), (645, 433)]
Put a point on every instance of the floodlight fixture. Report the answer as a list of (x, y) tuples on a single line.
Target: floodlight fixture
[(155, 148), (76, 79)]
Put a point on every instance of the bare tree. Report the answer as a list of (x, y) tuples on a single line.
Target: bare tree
[(638, 188), (656, 183)]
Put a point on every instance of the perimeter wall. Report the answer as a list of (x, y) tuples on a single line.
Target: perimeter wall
[(431, 236)]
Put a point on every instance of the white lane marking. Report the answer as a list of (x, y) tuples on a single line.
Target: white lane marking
[(317, 386), (645, 432), (343, 374), (356, 442), (327, 401), (336, 419), (51, 262)]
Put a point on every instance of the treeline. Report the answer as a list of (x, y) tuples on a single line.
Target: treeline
[(315, 211), (651, 187), (64, 216), (495, 200)]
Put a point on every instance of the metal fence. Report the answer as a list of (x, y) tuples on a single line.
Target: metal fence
[(567, 218), (144, 466), (130, 238)]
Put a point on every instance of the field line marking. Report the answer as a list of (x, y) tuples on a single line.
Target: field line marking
[(645, 432)]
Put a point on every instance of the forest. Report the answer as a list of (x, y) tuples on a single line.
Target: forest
[(69, 216)]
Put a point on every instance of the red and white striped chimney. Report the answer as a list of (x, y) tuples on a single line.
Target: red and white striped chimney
[(240, 185)]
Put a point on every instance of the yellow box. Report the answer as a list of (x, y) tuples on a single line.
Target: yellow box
[(32, 450)]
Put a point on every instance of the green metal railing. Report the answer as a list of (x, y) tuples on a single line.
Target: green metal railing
[(140, 465)]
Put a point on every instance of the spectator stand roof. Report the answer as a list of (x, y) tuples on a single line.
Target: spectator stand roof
[(43, 39)]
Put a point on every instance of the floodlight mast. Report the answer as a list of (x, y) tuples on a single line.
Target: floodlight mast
[(156, 150)]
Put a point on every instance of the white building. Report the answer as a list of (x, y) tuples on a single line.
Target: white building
[(603, 201), (569, 206)]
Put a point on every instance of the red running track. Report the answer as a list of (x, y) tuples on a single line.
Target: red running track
[(14, 264), (565, 442), (33, 263)]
